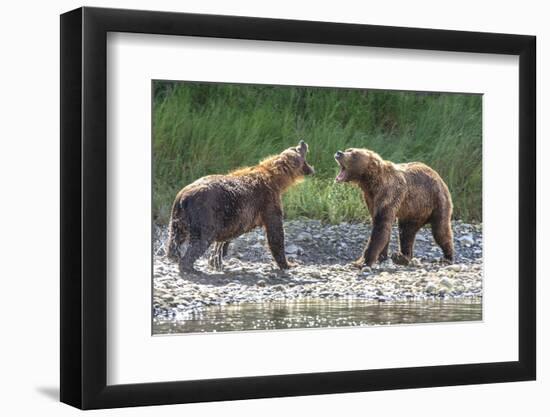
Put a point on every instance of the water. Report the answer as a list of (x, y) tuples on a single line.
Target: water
[(318, 313)]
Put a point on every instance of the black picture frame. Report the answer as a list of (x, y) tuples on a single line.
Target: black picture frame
[(84, 207)]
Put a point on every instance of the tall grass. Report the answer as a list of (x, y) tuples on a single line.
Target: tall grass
[(201, 129)]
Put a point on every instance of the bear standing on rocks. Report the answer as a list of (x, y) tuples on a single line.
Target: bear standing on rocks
[(218, 208), (412, 193)]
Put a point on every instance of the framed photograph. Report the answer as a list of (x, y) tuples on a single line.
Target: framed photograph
[(257, 208)]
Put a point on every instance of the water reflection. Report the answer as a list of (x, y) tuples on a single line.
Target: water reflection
[(318, 313)]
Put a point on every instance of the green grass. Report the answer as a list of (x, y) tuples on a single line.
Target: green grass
[(201, 129)]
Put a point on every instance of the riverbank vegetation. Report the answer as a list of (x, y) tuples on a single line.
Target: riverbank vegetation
[(201, 129)]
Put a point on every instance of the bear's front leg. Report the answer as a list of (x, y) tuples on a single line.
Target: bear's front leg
[(358, 263), (273, 224), (379, 238)]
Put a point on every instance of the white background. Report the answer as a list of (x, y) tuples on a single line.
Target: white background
[(134, 356), (30, 174)]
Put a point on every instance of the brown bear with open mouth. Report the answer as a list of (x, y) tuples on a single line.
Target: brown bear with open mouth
[(218, 208), (412, 193)]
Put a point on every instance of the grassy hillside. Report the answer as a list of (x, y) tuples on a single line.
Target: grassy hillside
[(201, 129)]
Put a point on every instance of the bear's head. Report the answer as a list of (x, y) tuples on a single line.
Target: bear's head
[(357, 164), (294, 159)]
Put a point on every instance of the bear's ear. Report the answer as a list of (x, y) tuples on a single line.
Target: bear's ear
[(302, 148)]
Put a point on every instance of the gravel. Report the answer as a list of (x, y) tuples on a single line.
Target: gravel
[(322, 254)]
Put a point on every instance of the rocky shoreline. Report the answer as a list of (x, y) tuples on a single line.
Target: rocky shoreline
[(322, 254)]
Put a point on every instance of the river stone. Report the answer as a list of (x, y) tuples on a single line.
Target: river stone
[(292, 249), (460, 289), (430, 288), (387, 263), (339, 281), (304, 237), (415, 262), (454, 268), (261, 283), (314, 274), (466, 240), (446, 282)]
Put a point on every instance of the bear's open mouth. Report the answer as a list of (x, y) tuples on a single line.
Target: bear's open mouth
[(341, 177)]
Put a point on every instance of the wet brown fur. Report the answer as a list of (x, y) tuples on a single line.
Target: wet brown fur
[(413, 193), (218, 208)]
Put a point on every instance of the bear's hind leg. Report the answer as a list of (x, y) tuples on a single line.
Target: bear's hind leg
[(443, 236), (177, 239), (225, 248), (216, 258), (197, 248)]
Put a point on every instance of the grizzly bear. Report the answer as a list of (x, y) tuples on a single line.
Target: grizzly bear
[(218, 208), (412, 193)]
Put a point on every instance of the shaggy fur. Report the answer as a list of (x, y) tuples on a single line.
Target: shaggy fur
[(412, 193), (218, 208)]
